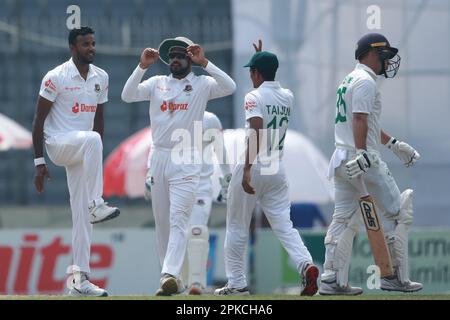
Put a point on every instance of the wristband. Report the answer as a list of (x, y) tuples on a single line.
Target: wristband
[(39, 161), (391, 142)]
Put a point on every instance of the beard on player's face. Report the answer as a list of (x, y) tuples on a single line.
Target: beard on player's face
[(180, 67)]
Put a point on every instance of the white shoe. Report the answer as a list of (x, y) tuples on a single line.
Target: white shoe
[(227, 291), (395, 285), (332, 289), (87, 289), (100, 211)]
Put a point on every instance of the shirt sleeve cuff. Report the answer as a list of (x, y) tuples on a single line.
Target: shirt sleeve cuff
[(47, 96), (210, 67)]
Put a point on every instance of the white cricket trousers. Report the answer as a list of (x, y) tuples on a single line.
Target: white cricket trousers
[(173, 194), (203, 203), (345, 225), (81, 153), (273, 195), (381, 186)]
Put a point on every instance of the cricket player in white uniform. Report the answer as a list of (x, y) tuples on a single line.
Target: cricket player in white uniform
[(358, 135), (267, 107), (69, 117), (195, 263), (177, 101)]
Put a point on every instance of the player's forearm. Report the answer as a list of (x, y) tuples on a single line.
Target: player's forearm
[(99, 124), (43, 107), (38, 137), (360, 129), (384, 137), (130, 92), (252, 148), (224, 85)]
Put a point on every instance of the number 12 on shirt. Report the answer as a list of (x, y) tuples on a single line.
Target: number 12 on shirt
[(275, 124)]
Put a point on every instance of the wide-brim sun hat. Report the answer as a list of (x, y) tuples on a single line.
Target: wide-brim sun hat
[(166, 44)]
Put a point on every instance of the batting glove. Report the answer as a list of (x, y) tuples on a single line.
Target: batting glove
[(148, 186), (360, 164), (224, 183), (407, 154)]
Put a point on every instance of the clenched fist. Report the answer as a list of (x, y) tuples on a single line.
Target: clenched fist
[(148, 57)]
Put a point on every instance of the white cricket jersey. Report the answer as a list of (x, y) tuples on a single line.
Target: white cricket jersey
[(176, 104), (273, 104), (358, 93), (74, 99), (212, 123)]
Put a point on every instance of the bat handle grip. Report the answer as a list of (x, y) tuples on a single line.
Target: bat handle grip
[(361, 185)]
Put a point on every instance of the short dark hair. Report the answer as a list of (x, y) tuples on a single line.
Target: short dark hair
[(266, 74), (74, 33)]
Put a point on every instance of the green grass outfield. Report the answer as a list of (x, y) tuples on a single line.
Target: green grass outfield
[(251, 297)]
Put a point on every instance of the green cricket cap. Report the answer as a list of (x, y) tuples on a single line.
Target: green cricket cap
[(263, 61)]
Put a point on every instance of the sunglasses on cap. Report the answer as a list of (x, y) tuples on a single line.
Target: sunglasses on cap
[(177, 55)]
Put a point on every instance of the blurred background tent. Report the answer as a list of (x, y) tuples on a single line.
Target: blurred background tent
[(13, 135)]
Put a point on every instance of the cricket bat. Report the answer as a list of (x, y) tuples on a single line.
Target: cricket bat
[(375, 231)]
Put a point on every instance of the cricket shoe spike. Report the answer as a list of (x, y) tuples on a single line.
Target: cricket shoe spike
[(394, 284), (309, 281), (227, 291), (332, 289), (100, 211)]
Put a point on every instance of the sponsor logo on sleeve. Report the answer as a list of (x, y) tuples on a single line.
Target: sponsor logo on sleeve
[(249, 105), (50, 85)]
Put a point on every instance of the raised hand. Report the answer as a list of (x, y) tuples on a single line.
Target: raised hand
[(259, 47), (197, 55), (148, 57)]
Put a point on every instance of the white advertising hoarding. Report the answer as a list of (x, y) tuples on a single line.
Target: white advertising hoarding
[(124, 261)]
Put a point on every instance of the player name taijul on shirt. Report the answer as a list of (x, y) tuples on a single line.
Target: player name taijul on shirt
[(278, 110)]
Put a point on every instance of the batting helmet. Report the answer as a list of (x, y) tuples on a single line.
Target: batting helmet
[(385, 51)]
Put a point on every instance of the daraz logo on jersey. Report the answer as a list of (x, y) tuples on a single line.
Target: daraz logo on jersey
[(173, 106), (83, 108)]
